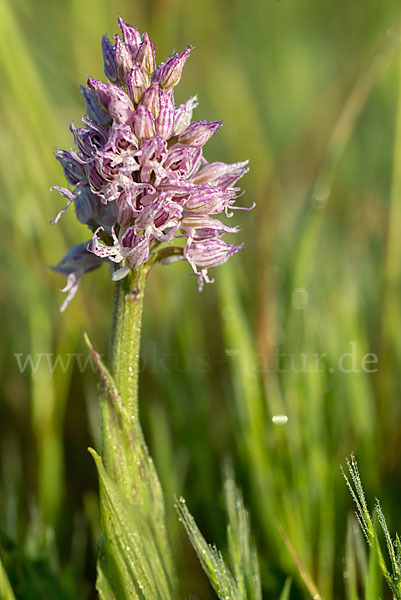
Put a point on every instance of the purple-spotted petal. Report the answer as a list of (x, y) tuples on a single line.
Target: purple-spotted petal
[(101, 250)]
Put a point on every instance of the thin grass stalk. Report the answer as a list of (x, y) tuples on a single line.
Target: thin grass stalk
[(391, 320)]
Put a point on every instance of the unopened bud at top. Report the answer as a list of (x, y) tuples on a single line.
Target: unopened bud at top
[(131, 36), (108, 57), (146, 55), (123, 60), (169, 74)]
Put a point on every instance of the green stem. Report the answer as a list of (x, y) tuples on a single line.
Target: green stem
[(124, 354), (125, 336), (125, 456)]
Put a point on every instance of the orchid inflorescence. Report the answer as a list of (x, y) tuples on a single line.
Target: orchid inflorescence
[(138, 173)]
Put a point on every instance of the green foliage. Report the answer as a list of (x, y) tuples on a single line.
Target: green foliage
[(130, 562), (240, 580), (393, 577), (22, 578), (135, 560), (6, 591), (285, 594)]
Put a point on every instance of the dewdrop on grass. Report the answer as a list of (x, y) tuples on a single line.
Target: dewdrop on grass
[(280, 419)]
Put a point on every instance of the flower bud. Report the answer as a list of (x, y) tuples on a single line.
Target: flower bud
[(183, 115), (165, 121), (146, 55), (151, 99), (136, 83), (144, 123), (123, 60), (198, 133), (120, 106), (108, 57), (101, 92), (203, 226), (169, 74), (113, 99), (93, 109), (131, 36)]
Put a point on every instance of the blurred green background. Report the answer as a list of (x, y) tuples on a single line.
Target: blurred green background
[(320, 121)]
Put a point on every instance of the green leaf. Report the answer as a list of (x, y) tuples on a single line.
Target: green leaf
[(6, 592), (127, 460), (26, 578), (351, 579), (131, 562), (135, 560), (242, 581), (210, 558), (373, 587), (240, 546), (285, 594)]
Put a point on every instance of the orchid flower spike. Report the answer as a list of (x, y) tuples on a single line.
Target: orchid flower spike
[(138, 175)]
